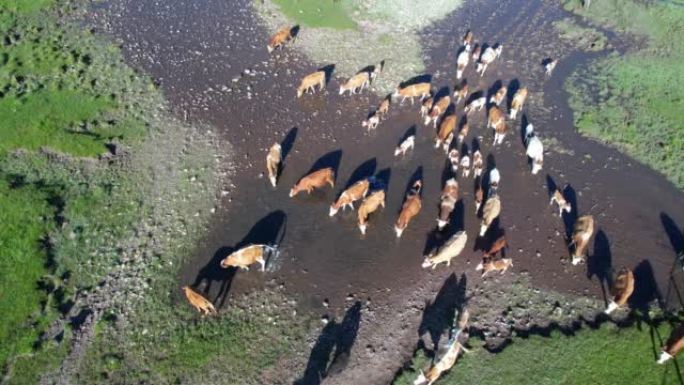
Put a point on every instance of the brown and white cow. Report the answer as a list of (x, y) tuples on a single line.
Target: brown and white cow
[(203, 305), (273, 160), (674, 344), (426, 106), (279, 39), (316, 179), (496, 120), (355, 192), (476, 104), (454, 159), (438, 109), (247, 256), (448, 360), (465, 166), (447, 203), (445, 133), (462, 133), (478, 163), (421, 90), (518, 102), (621, 289), (499, 96), (405, 145), (581, 233), (409, 209), (461, 92), (562, 203), (309, 82), (369, 205)]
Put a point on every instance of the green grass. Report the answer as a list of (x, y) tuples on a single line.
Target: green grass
[(634, 102), (588, 39), (606, 356), (317, 13)]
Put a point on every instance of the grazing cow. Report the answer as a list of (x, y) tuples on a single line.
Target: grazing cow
[(674, 344), (490, 212), (498, 50), (518, 102), (357, 191), (535, 149), (309, 82), (369, 205), (562, 203), (494, 180), (621, 289), (419, 89), (476, 104), (463, 133), (499, 96), (445, 133), (453, 247), (247, 256), (488, 265), (461, 63), (479, 195), (447, 202), (426, 106), (438, 109), (383, 108), (461, 92), (496, 120), (279, 39), (486, 58), (468, 38), (358, 81), (407, 144), (448, 360), (316, 179), (273, 160), (465, 166), (409, 209), (478, 163), (372, 121), (203, 305), (497, 246), (550, 66), (454, 160), (581, 233)]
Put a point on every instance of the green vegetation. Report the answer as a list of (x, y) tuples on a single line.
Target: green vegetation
[(606, 356), (588, 39), (316, 13), (634, 102)]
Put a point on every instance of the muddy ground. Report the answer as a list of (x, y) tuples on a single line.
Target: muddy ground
[(211, 62)]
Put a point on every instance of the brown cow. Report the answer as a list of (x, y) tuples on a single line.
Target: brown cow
[(497, 246), (279, 39), (383, 108), (674, 344), (273, 160), (463, 133), (437, 110), (490, 212), (358, 81), (369, 206), (316, 179), (581, 233), (309, 82), (203, 305), (447, 202), (621, 289), (446, 130), (495, 120), (357, 191), (413, 90), (409, 209), (247, 256), (518, 102), (488, 265)]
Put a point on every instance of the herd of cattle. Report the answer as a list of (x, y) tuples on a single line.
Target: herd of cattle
[(440, 112)]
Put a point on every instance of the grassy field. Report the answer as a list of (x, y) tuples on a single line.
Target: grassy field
[(606, 356), (315, 13), (634, 101)]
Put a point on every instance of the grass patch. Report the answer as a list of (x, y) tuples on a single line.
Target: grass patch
[(316, 13), (607, 356), (584, 38), (634, 102)]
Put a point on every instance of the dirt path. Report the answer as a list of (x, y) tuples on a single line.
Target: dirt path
[(199, 55)]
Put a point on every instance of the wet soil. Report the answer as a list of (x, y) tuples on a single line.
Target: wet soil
[(210, 60)]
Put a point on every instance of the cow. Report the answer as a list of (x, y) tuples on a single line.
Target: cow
[(462, 133), (454, 159), (621, 289), (535, 149), (383, 108), (438, 109), (372, 121), (273, 160), (498, 245), (550, 66), (499, 96), (494, 180), (468, 39), (369, 205), (357, 191), (461, 92), (411, 91), (358, 81), (496, 121), (477, 52), (203, 305), (462, 63), (316, 179), (451, 249), (309, 82), (518, 102), (247, 256), (465, 166), (405, 145), (476, 104), (478, 163), (426, 106), (562, 203), (447, 202), (581, 233), (445, 133), (409, 209), (444, 363), (490, 212), (674, 344), (486, 59), (278, 40), (479, 194), (488, 265)]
